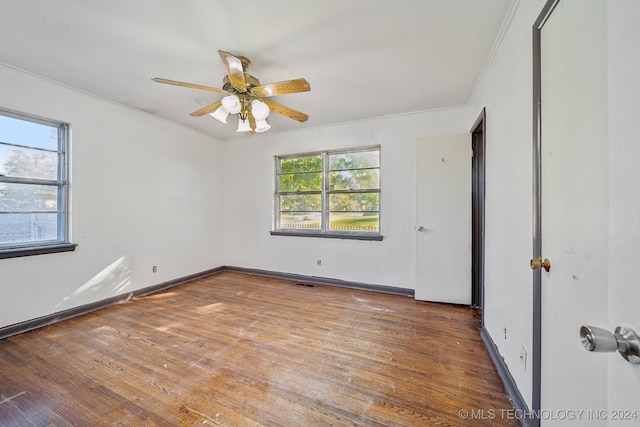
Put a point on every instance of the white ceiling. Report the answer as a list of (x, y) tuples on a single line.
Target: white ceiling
[(363, 58)]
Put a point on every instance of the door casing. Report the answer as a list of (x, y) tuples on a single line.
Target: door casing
[(478, 146)]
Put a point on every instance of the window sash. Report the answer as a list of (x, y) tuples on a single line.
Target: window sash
[(307, 225), (59, 183)]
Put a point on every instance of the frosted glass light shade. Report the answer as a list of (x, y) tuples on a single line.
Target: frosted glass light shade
[(220, 114), (259, 109), (232, 104), (243, 126), (262, 126)]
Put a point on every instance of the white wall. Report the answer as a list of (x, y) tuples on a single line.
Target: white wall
[(624, 208), (144, 192), (249, 200), (506, 92)]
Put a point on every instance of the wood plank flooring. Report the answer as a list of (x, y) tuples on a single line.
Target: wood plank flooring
[(241, 350)]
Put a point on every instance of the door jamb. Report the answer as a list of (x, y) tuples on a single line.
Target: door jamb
[(478, 168)]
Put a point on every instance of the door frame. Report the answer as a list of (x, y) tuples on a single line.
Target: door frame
[(478, 186), (536, 356)]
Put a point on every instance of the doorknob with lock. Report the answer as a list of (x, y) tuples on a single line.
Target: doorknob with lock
[(538, 263)]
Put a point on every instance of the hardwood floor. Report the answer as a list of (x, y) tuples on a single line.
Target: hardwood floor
[(241, 350)]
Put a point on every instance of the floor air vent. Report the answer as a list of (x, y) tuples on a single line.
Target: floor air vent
[(308, 285)]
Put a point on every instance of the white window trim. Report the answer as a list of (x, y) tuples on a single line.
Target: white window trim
[(324, 231), (62, 242)]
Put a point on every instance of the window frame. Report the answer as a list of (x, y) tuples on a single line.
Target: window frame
[(61, 243), (325, 192)]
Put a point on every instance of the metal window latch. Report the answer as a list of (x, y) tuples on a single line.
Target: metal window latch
[(624, 340)]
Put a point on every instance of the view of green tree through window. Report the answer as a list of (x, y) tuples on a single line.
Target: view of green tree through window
[(336, 192), (300, 192), (33, 183)]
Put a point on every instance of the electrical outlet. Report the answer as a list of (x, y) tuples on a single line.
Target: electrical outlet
[(154, 268), (523, 357), (504, 330), (318, 262)]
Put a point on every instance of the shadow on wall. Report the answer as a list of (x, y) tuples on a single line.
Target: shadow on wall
[(113, 280)]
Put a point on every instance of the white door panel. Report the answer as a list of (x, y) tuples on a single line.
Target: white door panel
[(574, 204), (624, 176), (443, 204)]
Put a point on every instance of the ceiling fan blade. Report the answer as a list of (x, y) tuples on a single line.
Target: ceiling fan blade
[(206, 110), (235, 71), (282, 88), (190, 85), (286, 111)]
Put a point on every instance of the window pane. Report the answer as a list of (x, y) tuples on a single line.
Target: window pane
[(28, 163), (28, 228), (301, 164), (301, 182), (28, 197), (359, 179), (331, 191), (356, 160), (300, 220), (32, 150), (301, 203), (354, 202), (349, 221), (22, 132)]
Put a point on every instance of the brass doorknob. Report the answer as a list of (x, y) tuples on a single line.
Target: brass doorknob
[(538, 263)]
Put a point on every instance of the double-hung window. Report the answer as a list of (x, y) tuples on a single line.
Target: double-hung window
[(329, 194), (33, 185)]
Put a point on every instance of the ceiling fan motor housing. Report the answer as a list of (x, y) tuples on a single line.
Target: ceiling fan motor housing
[(248, 78)]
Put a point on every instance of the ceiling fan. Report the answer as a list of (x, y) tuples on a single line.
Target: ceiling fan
[(245, 96)]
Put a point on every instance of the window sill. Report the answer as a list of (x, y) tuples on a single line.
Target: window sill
[(371, 237), (37, 250)]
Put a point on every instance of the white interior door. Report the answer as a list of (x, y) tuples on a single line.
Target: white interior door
[(624, 210), (574, 204), (443, 214)]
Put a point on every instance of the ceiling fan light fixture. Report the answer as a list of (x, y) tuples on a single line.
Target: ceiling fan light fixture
[(262, 126), (259, 109), (260, 112), (243, 125), (220, 114), (232, 104)]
